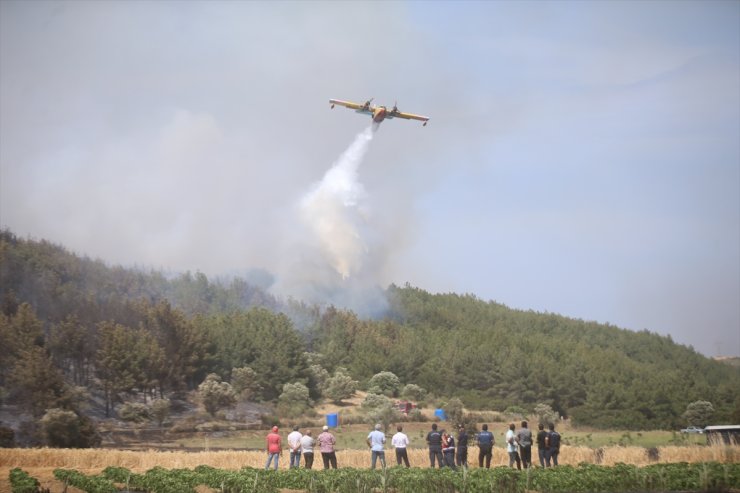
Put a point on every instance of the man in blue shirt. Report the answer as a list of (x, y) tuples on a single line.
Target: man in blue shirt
[(376, 442), (485, 445)]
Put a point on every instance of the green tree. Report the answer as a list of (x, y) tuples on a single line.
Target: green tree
[(545, 413), (372, 401), (385, 382), (187, 352), (36, 384), (317, 380), (294, 401), (215, 394), (699, 413), (413, 392), (135, 412), (73, 348), (454, 409), (245, 382), (380, 409), (160, 410), (340, 386), (66, 429), (128, 359), (264, 341)]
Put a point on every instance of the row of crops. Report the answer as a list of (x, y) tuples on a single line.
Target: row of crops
[(705, 477)]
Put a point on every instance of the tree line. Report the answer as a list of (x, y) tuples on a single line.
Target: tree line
[(72, 326)]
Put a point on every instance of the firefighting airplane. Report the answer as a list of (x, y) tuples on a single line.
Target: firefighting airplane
[(378, 113)]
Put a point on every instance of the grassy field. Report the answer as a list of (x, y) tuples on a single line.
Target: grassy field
[(40, 463)]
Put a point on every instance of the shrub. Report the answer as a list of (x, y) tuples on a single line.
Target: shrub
[(134, 412), (516, 412), (160, 410), (413, 392), (545, 414), (698, 413), (385, 381), (340, 386), (65, 429), (21, 482), (294, 401), (216, 394), (372, 401), (244, 382), (417, 416)]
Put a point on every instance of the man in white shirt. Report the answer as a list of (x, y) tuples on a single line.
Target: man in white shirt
[(400, 441), (376, 442), (511, 447), (307, 443), (294, 444)]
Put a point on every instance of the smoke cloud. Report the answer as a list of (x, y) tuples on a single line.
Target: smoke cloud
[(339, 248), (333, 210)]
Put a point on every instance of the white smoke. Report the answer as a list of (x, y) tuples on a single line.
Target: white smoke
[(333, 210), (340, 253)]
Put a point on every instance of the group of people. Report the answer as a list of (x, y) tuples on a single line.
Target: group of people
[(518, 445), (444, 449), (300, 444)]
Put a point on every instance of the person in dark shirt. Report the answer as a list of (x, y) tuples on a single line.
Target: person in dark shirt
[(434, 440), (553, 445), (485, 446), (524, 439), (462, 448), (541, 445)]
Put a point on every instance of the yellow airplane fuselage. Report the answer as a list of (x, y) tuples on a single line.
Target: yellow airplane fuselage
[(379, 114)]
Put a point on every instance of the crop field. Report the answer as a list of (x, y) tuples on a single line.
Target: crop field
[(41, 463)]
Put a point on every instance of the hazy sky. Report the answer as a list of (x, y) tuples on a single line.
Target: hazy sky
[(582, 158)]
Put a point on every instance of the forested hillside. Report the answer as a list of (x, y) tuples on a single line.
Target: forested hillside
[(72, 325)]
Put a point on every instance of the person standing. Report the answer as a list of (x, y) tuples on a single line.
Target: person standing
[(376, 442), (307, 444), (434, 441), (553, 445), (511, 447), (399, 442), (294, 443), (541, 445), (326, 446), (485, 446), (462, 447), (274, 447), (448, 449), (524, 439)]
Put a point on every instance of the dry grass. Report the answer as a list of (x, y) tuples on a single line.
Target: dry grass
[(41, 462), (99, 459)]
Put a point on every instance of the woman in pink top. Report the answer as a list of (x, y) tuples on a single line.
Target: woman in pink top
[(326, 446), (274, 447)]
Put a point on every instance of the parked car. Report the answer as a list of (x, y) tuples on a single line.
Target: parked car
[(693, 429)]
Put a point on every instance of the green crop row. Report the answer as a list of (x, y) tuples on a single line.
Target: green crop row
[(705, 477), (21, 482)]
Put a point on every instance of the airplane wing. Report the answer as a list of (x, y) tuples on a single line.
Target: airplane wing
[(366, 108), (408, 116)]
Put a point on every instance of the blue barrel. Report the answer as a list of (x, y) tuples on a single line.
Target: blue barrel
[(332, 420), (440, 413)]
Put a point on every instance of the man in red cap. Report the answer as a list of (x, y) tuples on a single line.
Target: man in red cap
[(274, 447)]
